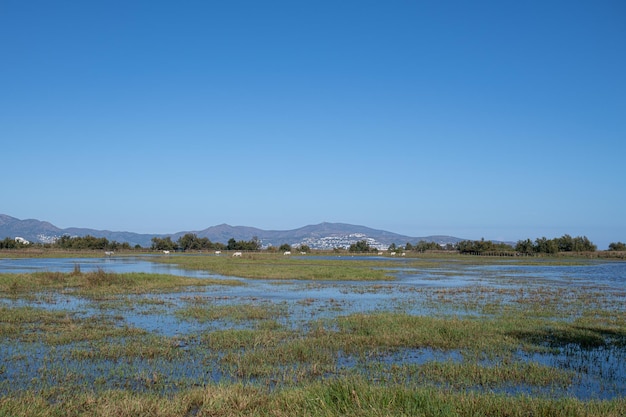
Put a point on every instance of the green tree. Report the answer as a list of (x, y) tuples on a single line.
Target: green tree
[(85, 242), (10, 243), (251, 245), (525, 246), (482, 245), (617, 246), (163, 243), (192, 242), (582, 244), (304, 248), (545, 245), (566, 243), (423, 246), (285, 247), (470, 246), (360, 246)]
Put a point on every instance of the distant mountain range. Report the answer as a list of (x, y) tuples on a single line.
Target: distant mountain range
[(319, 236)]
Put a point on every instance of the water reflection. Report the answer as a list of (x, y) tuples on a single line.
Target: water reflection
[(109, 264), (450, 288)]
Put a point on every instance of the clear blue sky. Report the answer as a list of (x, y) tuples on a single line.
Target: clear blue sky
[(495, 119)]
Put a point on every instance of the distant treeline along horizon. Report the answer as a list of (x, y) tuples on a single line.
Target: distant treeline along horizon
[(191, 242)]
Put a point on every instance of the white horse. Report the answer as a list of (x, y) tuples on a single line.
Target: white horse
[(217, 252), (392, 254), (108, 253), (166, 252), (237, 254), (287, 253)]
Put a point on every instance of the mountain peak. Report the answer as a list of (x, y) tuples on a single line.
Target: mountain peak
[(325, 235)]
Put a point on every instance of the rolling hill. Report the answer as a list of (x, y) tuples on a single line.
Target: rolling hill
[(319, 236)]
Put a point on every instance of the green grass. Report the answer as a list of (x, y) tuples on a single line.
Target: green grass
[(268, 266), (350, 396), (471, 375), (231, 312), (100, 283), (268, 351), (124, 347), (257, 265), (30, 324), (352, 364)]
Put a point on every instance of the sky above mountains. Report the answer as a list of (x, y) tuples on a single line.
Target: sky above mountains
[(495, 119)]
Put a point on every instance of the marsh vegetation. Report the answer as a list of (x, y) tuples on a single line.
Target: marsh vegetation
[(317, 336)]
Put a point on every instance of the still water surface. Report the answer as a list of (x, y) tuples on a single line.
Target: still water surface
[(405, 293), (415, 291), (109, 264)]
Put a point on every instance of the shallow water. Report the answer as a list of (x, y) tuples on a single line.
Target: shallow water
[(415, 291), (110, 264)]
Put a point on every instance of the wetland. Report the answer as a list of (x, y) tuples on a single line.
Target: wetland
[(312, 335)]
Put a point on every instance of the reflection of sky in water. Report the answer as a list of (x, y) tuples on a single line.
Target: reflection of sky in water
[(603, 273), (312, 299), (306, 301), (113, 264)]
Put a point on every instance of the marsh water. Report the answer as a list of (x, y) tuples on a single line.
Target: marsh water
[(451, 288)]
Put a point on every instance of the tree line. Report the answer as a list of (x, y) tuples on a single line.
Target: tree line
[(190, 241), (421, 246), (565, 243), (542, 245), (87, 242), (482, 246), (617, 246), (10, 243)]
